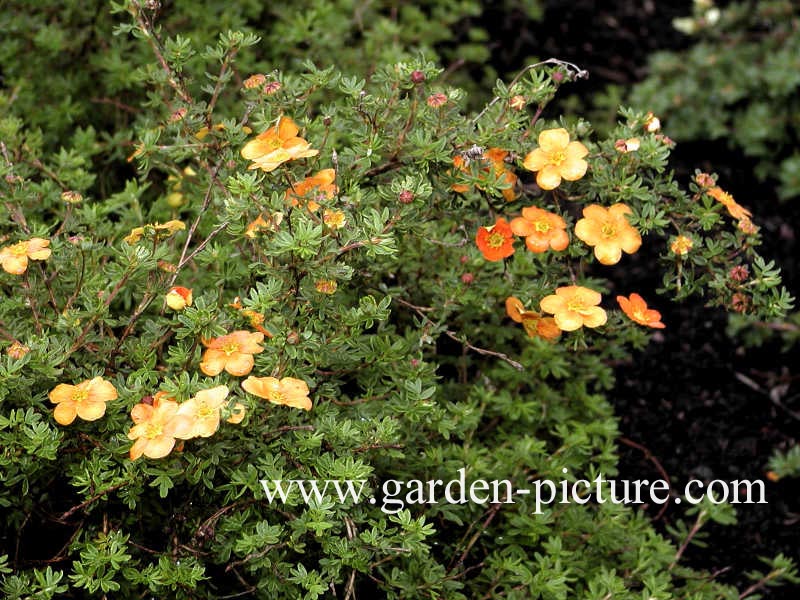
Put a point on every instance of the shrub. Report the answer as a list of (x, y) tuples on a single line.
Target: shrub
[(311, 274)]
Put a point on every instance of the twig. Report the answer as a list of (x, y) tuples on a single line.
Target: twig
[(699, 522), (493, 510), (575, 70), (649, 456), (91, 500)]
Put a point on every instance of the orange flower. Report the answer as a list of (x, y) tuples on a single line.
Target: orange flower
[(326, 286), (608, 231), (320, 186), (556, 158), (276, 146), (86, 400), (496, 157), (287, 391), (156, 426), (232, 353), (179, 297), (497, 241), (636, 308), (681, 245), (535, 324), (498, 160), (204, 411), (14, 258), (254, 81), (573, 307), (541, 229), (736, 210), (517, 102)]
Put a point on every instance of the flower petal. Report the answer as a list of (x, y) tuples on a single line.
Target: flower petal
[(594, 316), (568, 320), (65, 413), (554, 140), (549, 178), (535, 160)]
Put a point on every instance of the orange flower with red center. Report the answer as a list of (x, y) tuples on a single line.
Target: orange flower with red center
[(496, 242), (541, 229), (14, 258), (535, 324), (556, 158), (277, 145), (736, 210), (636, 308), (287, 391), (574, 307), (203, 410), (156, 426), (86, 400), (319, 186), (179, 297), (608, 231), (232, 353), (497, 158)]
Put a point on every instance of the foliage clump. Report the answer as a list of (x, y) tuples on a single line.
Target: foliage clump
[(305, 273)]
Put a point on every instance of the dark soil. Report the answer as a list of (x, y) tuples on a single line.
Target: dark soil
[(696, 400)]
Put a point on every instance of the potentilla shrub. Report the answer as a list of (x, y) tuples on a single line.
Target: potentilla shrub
[(305, 275)]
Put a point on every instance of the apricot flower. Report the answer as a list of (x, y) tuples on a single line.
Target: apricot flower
[(556, 158), (159, 229), (541, 229), (14, 258), (534, 323), (573, 307), (608, 231), (496, 242), (636, 308), (277, 145), (319, 186), (287, 391), (232, 353), (203, 410), (156, 426), (86, 400)]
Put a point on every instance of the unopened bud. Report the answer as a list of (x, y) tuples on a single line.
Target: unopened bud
[(417, 76)]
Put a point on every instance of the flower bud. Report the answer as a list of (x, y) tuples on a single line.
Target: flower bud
[(179, 298)]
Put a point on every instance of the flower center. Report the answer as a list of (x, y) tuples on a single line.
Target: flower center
[(80, 395), (276, 397), (608, 230), (495, 240), (204, 412), (19, 249), (230, 348), (153, 430), (556, 158), (542, 226), (638, 316)]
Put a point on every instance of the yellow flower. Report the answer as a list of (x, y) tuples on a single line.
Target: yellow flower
[(14, 258), (333, 218), (156, 426), (556, 158), (179, 297), (160, 230), (86, 400), (573, 307), (276, 146), (232, 353), (608, 231), (287, 391), (203, 410), (681, 245)]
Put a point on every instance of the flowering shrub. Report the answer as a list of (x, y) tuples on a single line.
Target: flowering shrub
[(252, 281)]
